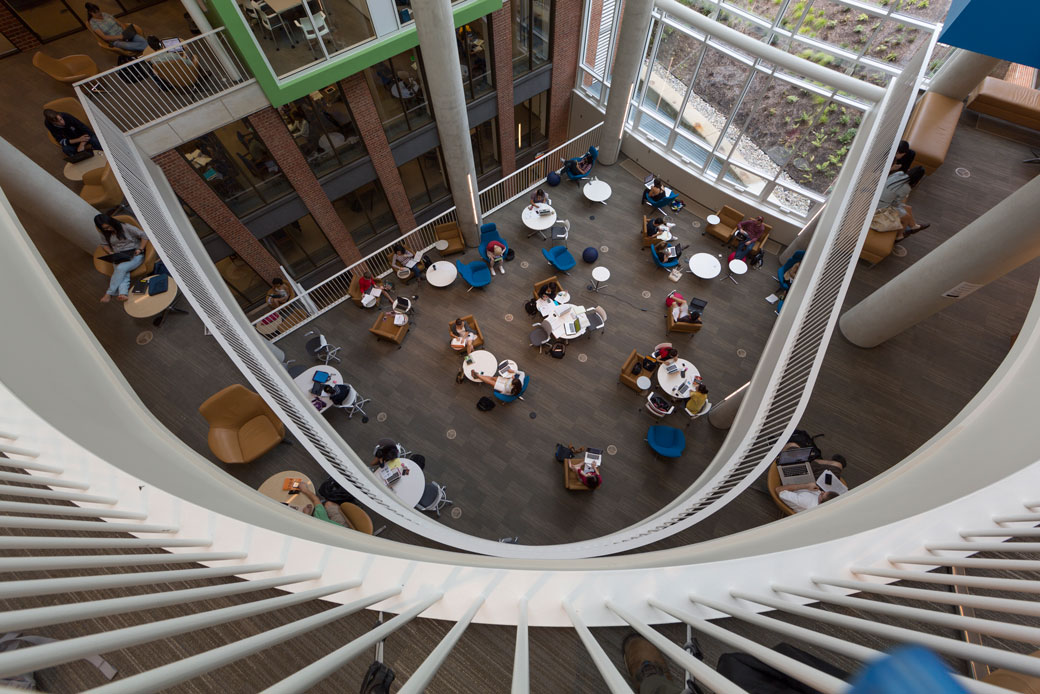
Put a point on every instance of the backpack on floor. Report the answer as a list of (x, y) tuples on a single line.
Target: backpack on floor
[(510, 254), (558, 350), (531, 306), (378, 679), (563, 452), (802, 438), (756, 259), (485, 404)]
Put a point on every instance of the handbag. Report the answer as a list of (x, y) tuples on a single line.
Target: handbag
[(886, 220)]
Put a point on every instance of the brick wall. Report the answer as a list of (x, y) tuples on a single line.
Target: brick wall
[(370, 127), (566, 39), (208, 205), (271, 130), (16, 32), (502, 44)]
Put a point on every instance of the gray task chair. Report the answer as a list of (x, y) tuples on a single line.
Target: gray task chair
[(434, 498), (597, 319), (354, 404), (541, 335), (320, 348), (560, 231)]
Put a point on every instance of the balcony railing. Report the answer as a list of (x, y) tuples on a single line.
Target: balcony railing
[(166, 82)]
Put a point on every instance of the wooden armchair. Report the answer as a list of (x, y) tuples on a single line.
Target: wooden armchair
[(729, 218), (671, 325), (539, 285), (384, 329), (627, 377), (647, 241), (474, 326), (451, 233)]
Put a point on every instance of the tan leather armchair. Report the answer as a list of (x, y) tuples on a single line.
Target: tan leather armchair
[(451, 233), (150, 256), (357, 518), (547, 280), (384, 329), (69, 70), (571, 480), (355, 290), (627, 377), (673, 326), (474, 326), (729, 218), (68, 105), (877, 246), (647, 241), (101, 189), (241, 425)]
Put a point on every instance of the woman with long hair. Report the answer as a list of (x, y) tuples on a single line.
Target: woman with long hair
[(120, 238)]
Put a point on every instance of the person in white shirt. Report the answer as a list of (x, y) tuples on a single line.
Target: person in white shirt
[(507, 385), (802, 497)]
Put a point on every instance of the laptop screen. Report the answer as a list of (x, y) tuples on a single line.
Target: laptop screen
[(794, 455), (173, 44)]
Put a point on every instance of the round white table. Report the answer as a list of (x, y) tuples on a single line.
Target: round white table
[(736, 267), (596, 191), (705, 265), (482, 362), (441, 245), (644, 383), (441, 274), (712, 219), (409, 488), (562, 318), (538, 222), (600, 275), (306, 381), (671, 382)]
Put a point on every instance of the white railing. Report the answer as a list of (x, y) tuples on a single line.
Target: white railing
[(167, 82)]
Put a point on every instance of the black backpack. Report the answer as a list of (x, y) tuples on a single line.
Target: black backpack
[(331, 490), (558, 350), (509, 254), (802, 439), (756, 259), (135, 73), (378, 679), (563, 452), (485, 404), (531, 306)]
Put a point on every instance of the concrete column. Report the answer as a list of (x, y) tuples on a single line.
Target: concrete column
[(29, 187), (994, 244), (962, 73), (628, 56), (435, 26), (721, 414)]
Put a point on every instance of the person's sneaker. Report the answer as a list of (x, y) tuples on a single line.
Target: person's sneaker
[(642, 659), (502, 269), (492, 270)]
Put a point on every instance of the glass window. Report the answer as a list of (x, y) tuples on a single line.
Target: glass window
[(423, 179), (484, 138), (236, 165), (300, 247), (323, 127), (531, 31), (530, 117), (204, 230), (48, 19), (474, 44), (399, 92), (365, 212), (248, 287)]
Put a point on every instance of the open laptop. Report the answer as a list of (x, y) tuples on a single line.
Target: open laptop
[(793, 466), (698, 304), (116, 258), (173, 43), (670, 253), (649, 181)]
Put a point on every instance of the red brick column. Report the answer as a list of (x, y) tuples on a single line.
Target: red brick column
[(502, 45), (272, 132), (19, 34), (370, 127), (190, 187), (566, 38)]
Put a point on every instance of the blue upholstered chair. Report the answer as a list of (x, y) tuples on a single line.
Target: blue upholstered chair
[(662, 263), (574, 175), (659, 204), (795, 258), (559, 257), (476, 273), (489, 233), (510, 398), (668, 442)]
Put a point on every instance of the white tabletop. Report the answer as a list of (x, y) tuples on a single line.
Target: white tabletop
[(533, 220), (564, 314), (409, 488), (670, 383), (511, 368), (705, 265), (306, 381), (737, 267), (712, 219), (441, 245), (596, 190), (643, 382), (600, 273), (441, 274), (74, 172), (483, 362)]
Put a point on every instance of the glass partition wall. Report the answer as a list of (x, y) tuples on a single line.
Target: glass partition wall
[(774, 137)]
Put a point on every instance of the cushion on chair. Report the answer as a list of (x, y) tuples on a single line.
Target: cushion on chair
[(1011, 102), (256, 437), (242, 426), (668, 442), (451, 233)]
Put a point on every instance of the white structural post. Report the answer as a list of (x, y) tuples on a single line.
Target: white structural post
[(435, 26), (721, 415), (962, 73), (51, 202), (994, 244), (628, 56)]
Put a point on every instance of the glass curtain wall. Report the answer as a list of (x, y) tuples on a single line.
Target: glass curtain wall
[(474, 44), (773, 136), (399, 91), (234, 163), (323, 127), (531, 118), (365, 212), (531, 31)]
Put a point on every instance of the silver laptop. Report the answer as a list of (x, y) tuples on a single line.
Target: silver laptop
[(593, 456), (670, 253), (796, 473), (649, 180)]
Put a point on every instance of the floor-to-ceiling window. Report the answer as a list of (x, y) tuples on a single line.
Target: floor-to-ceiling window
[(424, 180), (531, 31), (474, 45), (300, 247), (484, 140), (365, 212), (399, 91), (323, 127), (531, 118)]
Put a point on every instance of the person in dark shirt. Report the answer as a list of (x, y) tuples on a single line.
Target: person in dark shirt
[(72, 135), (904, 158), (337, 394)]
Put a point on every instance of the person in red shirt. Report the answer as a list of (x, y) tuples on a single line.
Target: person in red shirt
[(496, 253), (366, 284)]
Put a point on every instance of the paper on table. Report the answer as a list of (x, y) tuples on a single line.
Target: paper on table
[(375, 291), (836, 484), (772, 298), (400, 319)]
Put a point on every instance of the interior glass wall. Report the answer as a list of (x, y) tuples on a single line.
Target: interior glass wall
[(235, 164), (323, 127), (531, 119), (474, 44), (531, 32), (424, 180), (300, 247), (365, 212), (398, 89), (484, 139)]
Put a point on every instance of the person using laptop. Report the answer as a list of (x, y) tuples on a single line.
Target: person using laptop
[(278, 294), (680, 309), (71, 134), (657, 192), (698, 397), (404, 259), (666, 250), (539, 198), (507, 385), (126, 242), (496, 253), (586, 470), (113, 32), (802, 497), (309, 504)]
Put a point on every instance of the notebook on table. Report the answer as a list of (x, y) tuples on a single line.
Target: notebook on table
[(174, 44)]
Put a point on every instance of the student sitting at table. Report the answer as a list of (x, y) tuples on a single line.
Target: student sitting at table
[(588, 473), (496, 252), (539, 198), (666, 355), (657, 192), (369, 298), (337, 394), (655, 227), (661, 248), (278, 294), (461, 333), (120, 238), (681, 312), (507, 385), (548, 291), (802, 497), (697, 399), (404, 259), (388, 453), (308, 503)]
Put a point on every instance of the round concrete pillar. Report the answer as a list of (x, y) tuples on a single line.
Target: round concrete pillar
[(628, 56), (994, 244), (961, 74), (721, 414)]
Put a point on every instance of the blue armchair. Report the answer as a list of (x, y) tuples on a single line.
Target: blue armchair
[(476, 273), (668, 442), (570, 165), (795, 258), (559, 257), (662, 263), (659, 204), (489, 233), (510, 398)]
